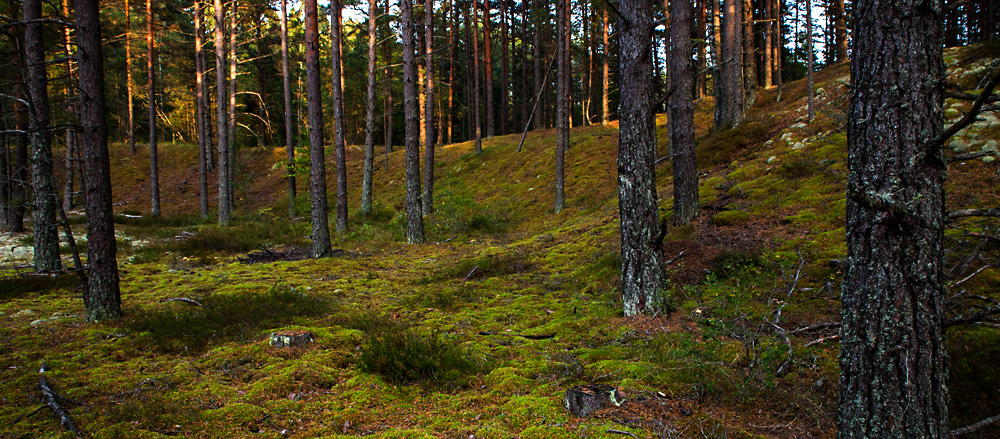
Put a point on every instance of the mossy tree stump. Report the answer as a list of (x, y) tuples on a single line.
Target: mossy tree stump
[(291, 339), (584, 401)]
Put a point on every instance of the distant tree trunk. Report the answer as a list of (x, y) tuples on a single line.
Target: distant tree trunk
[(286, 81), (450, 125), (749, 71), (102, 297), (128, 78), (810, 88), (525, 91), (154, 172), (411, 107), (536, 78), (476, 125), (366, 182), (642, 260), (605, 109), (19, 174), (729, 90), (893, 358), (504, 69), (222, 116), (562, 100), (588, 69), (233, 67), (470, 90), (776, 45), (716, 36), (769, 17), (45, 203), (700, 67), (388, 81), (839, 30), (204, 139), (682, 114), (317, 158), (428, 197), (338, 115), (488, 67), (5, 180)]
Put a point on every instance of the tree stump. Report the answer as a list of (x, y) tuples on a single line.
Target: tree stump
[(291, 339), (584, 401)]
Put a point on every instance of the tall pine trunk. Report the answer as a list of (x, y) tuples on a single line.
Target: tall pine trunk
[(562, 101), (488, 67), (154, 162), (46, 205), (893, 360), (201, 105), (729, 89), (682, 114), (70, 161), (388, 81), (476, 125), (233, 72), (129, 89), (317, 157), (504, 69), (605, 71), (810, 88), (428, 196), (642, 276), (366, 182), (286, 82), (338, 115), (411, 108), (102, 296), (222, 116)]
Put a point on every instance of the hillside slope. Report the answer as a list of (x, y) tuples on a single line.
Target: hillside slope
[(479, 332)]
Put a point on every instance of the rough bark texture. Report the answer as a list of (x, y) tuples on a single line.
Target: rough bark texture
[(286, 80), (233, 67), (428, 196), (769, 15), (893, 357), (682, 114), (642, 261), (562, 100), (339, 140), (317, 157), (69, 163), (605, 110), (729, 90), (221, 123), (749, 71), (411, 108), (201, 98), (839, 30), (154, 168), (45, 201), (102, 297), (366, 182)]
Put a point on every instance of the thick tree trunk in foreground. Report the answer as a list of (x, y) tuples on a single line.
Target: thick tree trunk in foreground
[(201, 104), (562, 101), (642, 261), (102, 297), (338, 115), (222, 119), (411, 108), (45, 202), (366, 182), (286, 80), (428, 196), (317, 157), (682, 114), (893, 358), (154, 168)]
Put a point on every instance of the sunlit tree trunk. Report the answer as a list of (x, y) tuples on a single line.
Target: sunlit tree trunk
[(605, 72), (70, 162), (233, 72), (488, 66), (102, 297), (562, 100), (201, 97), (366, 182), (504, 69), (428, 195), (411, 108), (387, 49), (476, 125), (729, 101), (129, 89), (222, 116)]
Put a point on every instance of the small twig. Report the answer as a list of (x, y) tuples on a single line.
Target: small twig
[(676, 257), (446, 240), (470, 274), (25, 415), (970, 428), (971, 156), (972, 318), (611, 430), (51, 400), (822, 340), (529, 337), (964, 213), (971, 275), (932, 147), (183, 299), (816, 326)]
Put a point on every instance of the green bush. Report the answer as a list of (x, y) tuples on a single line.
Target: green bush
[(407, 357)]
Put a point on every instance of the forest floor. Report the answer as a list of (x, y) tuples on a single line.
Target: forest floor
[(479, 332)]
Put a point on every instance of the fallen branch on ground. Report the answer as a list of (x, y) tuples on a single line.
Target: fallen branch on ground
[(611, 430), (51, 399), (970, 428), (822, 340), (183, 299), (530, 337), (816, 326)]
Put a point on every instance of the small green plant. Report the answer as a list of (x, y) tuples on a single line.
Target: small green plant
[(224, 317), (406, 357)]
